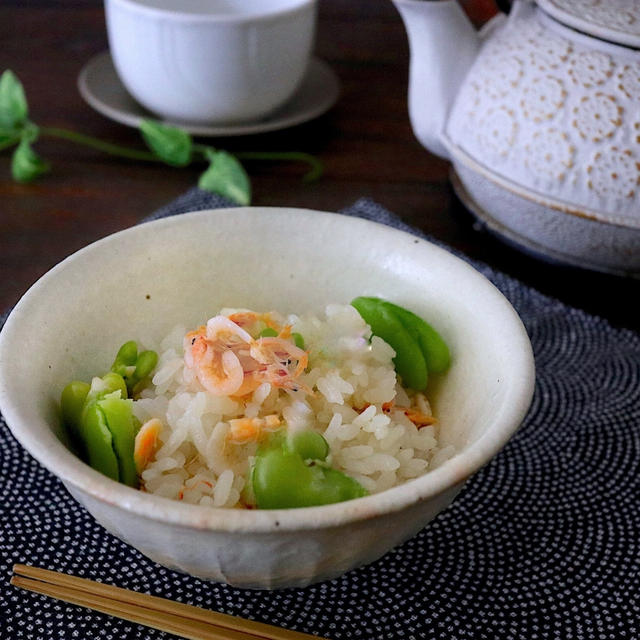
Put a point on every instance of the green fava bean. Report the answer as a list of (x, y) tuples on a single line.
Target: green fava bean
[(125, 361), (434, 348), (109, 383), (127, 354), (119, 418), (146, 363), (338, 487), (409, 360), (310, 445), (72, 401), (113, 382), (134, 367), (98, 442), (282, 480)]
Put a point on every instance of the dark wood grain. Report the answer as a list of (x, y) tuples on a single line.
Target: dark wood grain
[(365, 142)]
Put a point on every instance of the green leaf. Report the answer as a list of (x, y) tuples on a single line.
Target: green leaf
[(8, 139), (13, 103), (9, 136), (26, 164), (7, 133), (226, 177), (170, 144)]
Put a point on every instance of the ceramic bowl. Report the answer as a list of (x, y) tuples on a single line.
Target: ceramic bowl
[(180, 270), (211, 61)]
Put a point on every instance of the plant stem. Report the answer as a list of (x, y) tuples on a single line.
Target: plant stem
[(100, 145), (315, 171), (316, 166)]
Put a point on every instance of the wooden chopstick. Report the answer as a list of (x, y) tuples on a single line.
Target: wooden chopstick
[(191, 629), (177, 618)]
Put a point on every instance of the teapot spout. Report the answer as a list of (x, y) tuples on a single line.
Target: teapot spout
[(443, 45)]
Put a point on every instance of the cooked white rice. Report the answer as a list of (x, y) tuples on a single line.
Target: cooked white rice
[(352, 377)]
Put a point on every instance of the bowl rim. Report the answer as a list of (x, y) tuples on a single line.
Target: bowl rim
[(198, 18), (77, 475)]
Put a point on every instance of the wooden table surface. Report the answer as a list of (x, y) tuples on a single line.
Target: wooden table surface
[(365, 142)]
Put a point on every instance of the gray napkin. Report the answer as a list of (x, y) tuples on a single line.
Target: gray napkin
[(542, 544)]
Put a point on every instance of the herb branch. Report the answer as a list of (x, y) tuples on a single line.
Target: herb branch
[(224, 175)]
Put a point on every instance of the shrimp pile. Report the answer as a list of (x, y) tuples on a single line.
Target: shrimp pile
[(228, 361)]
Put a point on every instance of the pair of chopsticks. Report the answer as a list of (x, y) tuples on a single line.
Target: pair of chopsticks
[(159, 613)]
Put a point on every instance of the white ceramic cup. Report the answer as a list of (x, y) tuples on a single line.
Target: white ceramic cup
[(211, 61)]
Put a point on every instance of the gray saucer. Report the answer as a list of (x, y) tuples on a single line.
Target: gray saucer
[(101, 87)]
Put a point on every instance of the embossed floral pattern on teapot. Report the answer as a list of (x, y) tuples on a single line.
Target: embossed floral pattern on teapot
[(557, 112), (546, 115)]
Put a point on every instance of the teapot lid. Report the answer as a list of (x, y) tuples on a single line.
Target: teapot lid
[(613, 20)]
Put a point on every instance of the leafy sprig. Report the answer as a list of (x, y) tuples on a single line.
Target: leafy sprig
[(224, 175), (13, 102)]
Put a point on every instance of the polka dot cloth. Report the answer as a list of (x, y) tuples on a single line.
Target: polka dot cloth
[(542, 544)]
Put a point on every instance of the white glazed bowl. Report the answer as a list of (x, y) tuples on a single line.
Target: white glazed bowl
[(211, 61), (143, 281)]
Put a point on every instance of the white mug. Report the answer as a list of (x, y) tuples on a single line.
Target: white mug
[(211, 61)]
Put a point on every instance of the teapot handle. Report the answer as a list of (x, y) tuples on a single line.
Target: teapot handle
[(480, 12)]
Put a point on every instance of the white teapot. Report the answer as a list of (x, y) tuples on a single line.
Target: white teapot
[(539, 113)]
